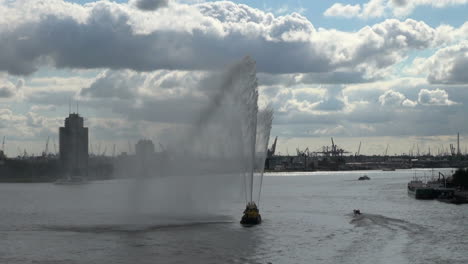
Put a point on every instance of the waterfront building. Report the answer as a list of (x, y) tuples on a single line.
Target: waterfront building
[(144, 148), (145, 156), (73, 141)]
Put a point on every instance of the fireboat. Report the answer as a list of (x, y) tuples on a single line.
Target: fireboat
[(251, 215)]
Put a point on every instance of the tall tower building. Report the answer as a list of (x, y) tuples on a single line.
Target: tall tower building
[(73, 141), (144, 151)]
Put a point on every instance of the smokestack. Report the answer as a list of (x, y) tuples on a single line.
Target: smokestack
[(458, 144)]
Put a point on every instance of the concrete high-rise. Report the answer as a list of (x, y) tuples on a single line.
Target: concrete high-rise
[(145, 155), (144, 149), (73, 140)]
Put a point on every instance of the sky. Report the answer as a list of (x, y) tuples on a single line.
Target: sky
[(381, 72)]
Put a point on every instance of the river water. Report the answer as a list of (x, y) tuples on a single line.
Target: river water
[(307, 219)]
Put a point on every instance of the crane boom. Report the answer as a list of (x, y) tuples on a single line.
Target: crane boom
[(55, 147), (46, 150), (161, 147)]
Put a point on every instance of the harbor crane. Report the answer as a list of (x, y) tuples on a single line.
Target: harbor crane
[(160, 146), (55, 148), (303, 153), (46, 149), (452, 150), (333, 151), (386, 151), (359, 149)]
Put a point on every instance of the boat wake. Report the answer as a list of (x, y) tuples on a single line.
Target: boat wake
[(381, 238), (135, 228), (377, 238), (393, 224)]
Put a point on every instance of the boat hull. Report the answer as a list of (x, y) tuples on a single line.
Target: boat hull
[(422, 193)]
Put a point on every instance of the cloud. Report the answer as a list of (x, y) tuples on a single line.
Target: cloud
[(372, 9), (341, 10), (149, 5), (381, 8), (7, 89), (41, 108), (330, 131), (114, 84), (6, 92), (205, 36), (447, 65), (151, 69), (406, 7), (434, 97), (400, 2), (392, 98)]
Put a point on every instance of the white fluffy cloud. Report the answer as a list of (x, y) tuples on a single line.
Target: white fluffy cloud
[(448, 65), (392, 98), (196, 37), (434, 97), (341, 10), (379, 8)]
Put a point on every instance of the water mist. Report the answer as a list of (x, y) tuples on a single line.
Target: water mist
[(217, 158)]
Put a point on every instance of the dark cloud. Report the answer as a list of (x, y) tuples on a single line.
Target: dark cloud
[(400, 2), (149, 5), (114, 84), (108, 39), (6, 92)]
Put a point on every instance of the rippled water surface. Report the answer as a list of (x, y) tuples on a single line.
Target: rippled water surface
[(307, 219)]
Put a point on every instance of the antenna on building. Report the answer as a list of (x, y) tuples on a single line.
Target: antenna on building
[(77, 108), (69, 106)]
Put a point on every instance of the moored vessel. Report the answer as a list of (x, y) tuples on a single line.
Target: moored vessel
[(420, 190)]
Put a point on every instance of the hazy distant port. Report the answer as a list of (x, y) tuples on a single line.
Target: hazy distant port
[(74, 159), (334, 158)]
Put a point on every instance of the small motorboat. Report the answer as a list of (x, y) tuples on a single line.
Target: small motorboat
[(357, 212), (364, 178)]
